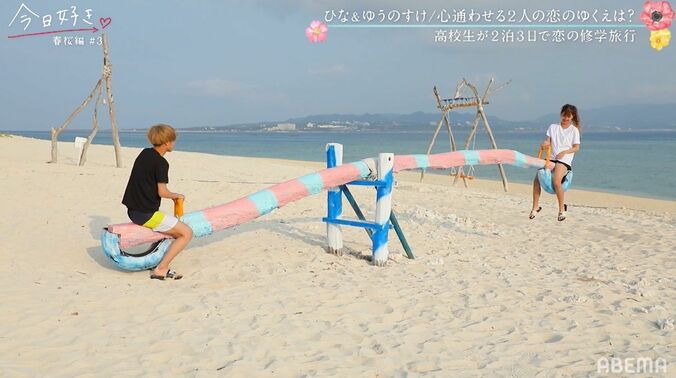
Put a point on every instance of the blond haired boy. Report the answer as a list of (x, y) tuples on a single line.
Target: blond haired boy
[(146, 187)]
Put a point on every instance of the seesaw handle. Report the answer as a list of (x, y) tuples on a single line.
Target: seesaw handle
[(549, 153), (178, 207)]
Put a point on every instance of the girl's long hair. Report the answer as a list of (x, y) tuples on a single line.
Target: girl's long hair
[(571, 110)]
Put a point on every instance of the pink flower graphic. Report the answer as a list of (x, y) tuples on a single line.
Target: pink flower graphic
[(316, 32), (657, 15)]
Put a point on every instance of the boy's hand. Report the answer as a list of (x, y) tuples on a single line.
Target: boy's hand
[(560, 155), (181, 196)]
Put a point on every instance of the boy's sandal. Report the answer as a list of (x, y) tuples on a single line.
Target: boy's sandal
[(170, 275), (562, 216), (532, 213)]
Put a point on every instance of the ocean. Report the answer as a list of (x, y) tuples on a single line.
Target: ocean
[(637, 163)]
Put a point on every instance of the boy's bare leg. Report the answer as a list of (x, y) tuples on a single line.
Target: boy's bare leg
[(182, 235)]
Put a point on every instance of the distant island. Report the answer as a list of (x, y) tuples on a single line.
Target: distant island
[(611, 118)]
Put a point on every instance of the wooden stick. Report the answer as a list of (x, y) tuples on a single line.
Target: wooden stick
[(458, 88), (451, 140), (501, 168), (500, 87), (57, 131), (434, 137), (95, 126), (481, 112), (108, 71), (490, 92), (436, 95), (444, 117), (488, 88)]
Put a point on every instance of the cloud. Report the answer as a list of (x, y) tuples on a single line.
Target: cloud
[(334, 70)]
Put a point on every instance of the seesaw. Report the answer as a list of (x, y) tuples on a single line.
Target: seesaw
[(376, 172)]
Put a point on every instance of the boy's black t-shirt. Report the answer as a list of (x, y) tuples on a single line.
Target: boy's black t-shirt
[(150, 168)]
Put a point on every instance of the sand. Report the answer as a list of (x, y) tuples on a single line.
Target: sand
[(491, 293)]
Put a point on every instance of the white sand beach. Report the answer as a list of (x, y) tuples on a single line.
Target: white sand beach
[(491, 293)]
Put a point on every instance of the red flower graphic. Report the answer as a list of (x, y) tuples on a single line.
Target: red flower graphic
[(657, 15)]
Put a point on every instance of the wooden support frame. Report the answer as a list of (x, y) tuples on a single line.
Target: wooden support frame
[(385, 219), (477, 101), (106, 78)]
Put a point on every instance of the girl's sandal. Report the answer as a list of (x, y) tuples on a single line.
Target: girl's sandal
[(170, 275), (532, 213)]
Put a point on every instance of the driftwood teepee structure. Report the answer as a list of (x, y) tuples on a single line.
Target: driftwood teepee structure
[(447, 105), (98, 89)]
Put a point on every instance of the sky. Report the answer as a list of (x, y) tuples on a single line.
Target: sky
[(211, 63)]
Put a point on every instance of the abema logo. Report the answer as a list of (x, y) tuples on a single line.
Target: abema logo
[(641, 365)]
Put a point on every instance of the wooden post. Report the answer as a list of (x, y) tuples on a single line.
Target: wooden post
[(95, 126), (463, 102), (334, 234), (108, 71), (434, 137), (57, 131), (444, 119), (451, 139), (501, 168), (458, 171), (480, 111), (393, 220), (383, 209), (445, 109)]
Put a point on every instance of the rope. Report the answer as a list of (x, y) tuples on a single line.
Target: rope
[(106, 71), (458, 99)]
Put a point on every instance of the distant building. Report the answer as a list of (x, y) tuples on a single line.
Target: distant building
[(331, 126), (283, 127)]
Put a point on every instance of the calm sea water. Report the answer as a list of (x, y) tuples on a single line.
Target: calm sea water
[(637, 163)]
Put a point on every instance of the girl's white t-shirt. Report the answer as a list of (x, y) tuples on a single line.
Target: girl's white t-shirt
[(563, 139)]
